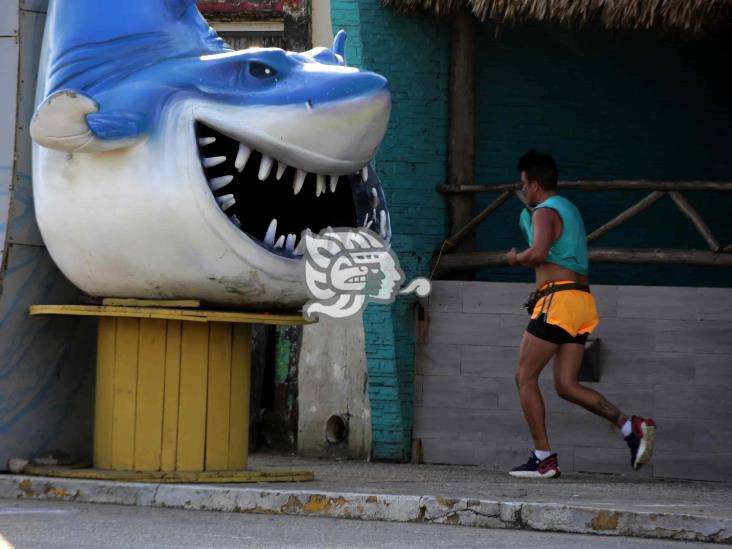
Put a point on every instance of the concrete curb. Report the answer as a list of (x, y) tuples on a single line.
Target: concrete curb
[(397, 508)]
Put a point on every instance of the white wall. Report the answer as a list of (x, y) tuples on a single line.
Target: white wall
[(322, 30)]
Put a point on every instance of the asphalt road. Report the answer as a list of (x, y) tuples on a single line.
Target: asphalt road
[(44, 525)]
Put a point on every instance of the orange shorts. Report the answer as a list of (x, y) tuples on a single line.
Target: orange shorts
[(572, 310)]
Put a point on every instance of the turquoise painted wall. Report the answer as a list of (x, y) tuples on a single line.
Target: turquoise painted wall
[(413, 53), (609, 105)]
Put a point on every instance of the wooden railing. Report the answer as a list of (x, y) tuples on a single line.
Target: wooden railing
[(719, 256)]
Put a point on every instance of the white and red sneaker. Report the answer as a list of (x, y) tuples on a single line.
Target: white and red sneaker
[(536, 468), (640, 440)]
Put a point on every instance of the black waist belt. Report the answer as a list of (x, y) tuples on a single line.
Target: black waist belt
[(534, 297)]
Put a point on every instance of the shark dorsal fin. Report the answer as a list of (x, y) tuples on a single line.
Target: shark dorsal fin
[(178, 7), (339, 44)]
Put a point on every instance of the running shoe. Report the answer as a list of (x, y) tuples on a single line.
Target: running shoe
[(536, 468), (640, 440)]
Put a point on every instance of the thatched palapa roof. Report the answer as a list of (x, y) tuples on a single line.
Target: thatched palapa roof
[(687, 15)]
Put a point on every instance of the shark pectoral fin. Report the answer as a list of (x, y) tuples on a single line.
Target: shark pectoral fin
[(115, 126), (64, 122)]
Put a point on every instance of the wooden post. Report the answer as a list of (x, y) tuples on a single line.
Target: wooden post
[(461, 148)]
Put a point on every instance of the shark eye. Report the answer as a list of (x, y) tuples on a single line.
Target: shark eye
[(260, 70)]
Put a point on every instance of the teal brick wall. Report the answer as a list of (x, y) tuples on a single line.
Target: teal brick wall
[(609, 105), (413, 53)]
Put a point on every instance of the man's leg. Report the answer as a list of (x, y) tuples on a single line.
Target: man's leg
[(567, 362), (638, 432), (534, 355)]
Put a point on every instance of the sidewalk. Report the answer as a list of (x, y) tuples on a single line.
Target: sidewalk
[(576, 503)]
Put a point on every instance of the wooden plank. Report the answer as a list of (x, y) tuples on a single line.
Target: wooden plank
[(174, 303), (150, 394), (212, 477), (600, 186), (464, 261), (689, 211), (125, 393), (192, 404), (626, 215), (241, 360), (219, 387), (191, 315), (104, 401), (463, 232), (171, 398)]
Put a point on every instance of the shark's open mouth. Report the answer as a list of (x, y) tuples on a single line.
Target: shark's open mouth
[(274, 203)]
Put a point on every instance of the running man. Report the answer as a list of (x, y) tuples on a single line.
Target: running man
[(563, 314)]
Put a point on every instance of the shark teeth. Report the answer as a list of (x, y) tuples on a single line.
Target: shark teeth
[(226, 181), (219, 182), (299, 181), (242, 156), (265, 167), (374, 198), (226, 201), (281, 167), (287, 242), (269, 237), (212, 161), (290, 242)]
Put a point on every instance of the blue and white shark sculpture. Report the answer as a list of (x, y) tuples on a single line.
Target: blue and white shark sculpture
[(168, 166)]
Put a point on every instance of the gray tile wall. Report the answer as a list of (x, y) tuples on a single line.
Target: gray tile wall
[(46, 363), (666, 353)]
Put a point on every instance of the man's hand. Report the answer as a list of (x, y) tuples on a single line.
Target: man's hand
[(512, 257)]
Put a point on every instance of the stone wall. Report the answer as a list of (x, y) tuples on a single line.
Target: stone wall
[(666, 352)]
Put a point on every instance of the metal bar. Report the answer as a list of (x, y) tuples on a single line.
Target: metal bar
[(600, 186), (690, 212), (476, 260), (625, 215), (462, 233)]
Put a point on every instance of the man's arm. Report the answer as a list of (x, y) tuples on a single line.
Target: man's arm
[(545, 222)]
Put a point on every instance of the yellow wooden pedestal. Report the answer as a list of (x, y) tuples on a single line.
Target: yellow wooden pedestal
[(173, 384)]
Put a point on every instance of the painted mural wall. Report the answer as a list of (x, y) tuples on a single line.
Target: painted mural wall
[(46, 364)]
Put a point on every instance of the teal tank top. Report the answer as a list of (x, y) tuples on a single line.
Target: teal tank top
[(570, 249)]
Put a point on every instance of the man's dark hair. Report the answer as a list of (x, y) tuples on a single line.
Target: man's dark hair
[(540, 167)]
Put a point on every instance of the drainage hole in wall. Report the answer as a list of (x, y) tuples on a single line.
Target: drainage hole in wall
[(336, 429)]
